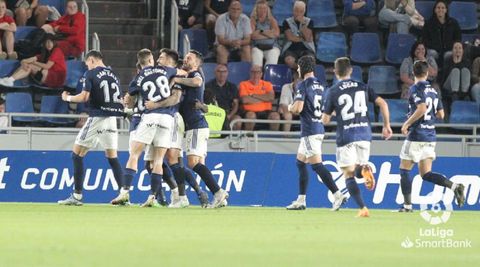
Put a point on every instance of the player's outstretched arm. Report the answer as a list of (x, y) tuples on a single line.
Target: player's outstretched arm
[(440, 114), (80, 98), (191, 82), (387, 130), (420, 112), (172, 100)]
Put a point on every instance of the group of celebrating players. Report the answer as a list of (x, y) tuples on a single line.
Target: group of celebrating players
[(167, 103)]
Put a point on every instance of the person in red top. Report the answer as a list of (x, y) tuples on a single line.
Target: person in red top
[(7, 30), (48, 68), (70, 28)]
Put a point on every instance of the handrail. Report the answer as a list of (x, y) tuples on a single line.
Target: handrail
[(86, 11), (174, 26), (186, 44), (160, 29), (95, 42)]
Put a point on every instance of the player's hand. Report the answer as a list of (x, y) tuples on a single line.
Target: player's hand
[(387, 132), (65, 94), (191, 20), (405, 129), (198, 104), (126, 99)]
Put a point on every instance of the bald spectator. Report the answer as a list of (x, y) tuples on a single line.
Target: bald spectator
[(299, 34), (257, 97), (233, 33)]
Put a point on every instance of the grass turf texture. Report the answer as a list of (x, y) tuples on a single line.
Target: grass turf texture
[(102, 235)]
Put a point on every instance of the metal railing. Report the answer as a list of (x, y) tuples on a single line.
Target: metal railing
[(186, 44), (174, 26), (95, 42), (86, 12)]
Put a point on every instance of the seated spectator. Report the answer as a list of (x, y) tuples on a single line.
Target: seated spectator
[(190, 14), (417, 52), (47, 69), (265, 32), (70, 28), (214, 114), (286, 98), (30, 12), (233, 33), (475, 91), (440, 32), (213, 10), (396, 12), (7, 33), (226, 95), (299, 35), (257, 97), (457, 74), (359, 12)]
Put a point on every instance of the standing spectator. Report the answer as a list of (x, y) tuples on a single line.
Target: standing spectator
[(213, 10), (440, 32), (233, 33), (71, 29), (257, 97), (396, 12), (475, 91), (457, 74), (7, 30), (359, 12), (47, 69), (190, 14), (265, 32), (29, 11), (299, 34), (286, 98), (417, 52), (226, 95)]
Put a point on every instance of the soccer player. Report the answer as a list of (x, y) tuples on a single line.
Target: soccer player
[(348, 98), (419, 147), (101, 91), (197, 131), (308, 103)]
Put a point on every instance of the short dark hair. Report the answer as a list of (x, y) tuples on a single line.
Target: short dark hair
[(170, 53), (414, 47), (420, 68), (197, 54), (143, 55), (342, 66), (306, 64), (95, 54)]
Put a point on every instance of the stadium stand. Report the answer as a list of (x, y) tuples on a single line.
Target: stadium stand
[(248, 6), (330, 46), (322, 12), (398, 110), (320, 74), (357, 74), (240, 71), (465, 13), (283, 11), (55, 105), (398, 47), (7, 67), (19, 103), (209, 70), (465, 112), (58, 4), (278, 75), (425, 8), (23, 31), (366, 48), (198, 40), (383, 79)]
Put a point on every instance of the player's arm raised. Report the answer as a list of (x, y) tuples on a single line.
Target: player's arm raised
[(419, 113), (79, 98), (172, 100), (191, 82), (387, 130)]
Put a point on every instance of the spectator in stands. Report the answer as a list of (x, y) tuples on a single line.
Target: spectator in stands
[(359, 12), (213, 10), (214, 114), (417, 52), (47, 69), (30, 12), (233, 33), (398, 13), (190, 14), (440, 32), (299, 35), (457, 74), (265, 32), (226, 95), (70, 28), (286, 98), (475, 91), (257, 97), (7, 33)]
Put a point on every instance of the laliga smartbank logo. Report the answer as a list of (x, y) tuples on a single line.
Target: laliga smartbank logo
[(436, 236)]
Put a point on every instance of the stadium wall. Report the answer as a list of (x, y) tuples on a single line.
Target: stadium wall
[(253, 179)]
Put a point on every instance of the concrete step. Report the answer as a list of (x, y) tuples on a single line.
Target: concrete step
[(128, 42), (120, 58), (122, 26), (117, 9)]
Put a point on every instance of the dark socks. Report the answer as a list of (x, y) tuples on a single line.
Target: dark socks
[(78, 172), (191, 181), (207, 177), (155, 183), (117, 170), (406, 185), (302, 177), (148, 167), (354, 191), (168, 176), (179, 174), (326, 176), (128, 177), (358, 171), (437, 178)]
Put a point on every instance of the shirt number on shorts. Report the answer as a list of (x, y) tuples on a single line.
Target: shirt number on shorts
[(163, 87), (359, 105), (106, 92)]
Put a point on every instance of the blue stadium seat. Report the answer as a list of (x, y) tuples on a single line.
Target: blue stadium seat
[(19, 103), (238, 72), (398, 110), (465, 13), (278, 75), (469, 37), (330, 46), (383, 79), (7, 67), (365, 48), (247, 6), (198, 40), (425, 8), (371, 111), (322, 12), (398, 47), (23, 31), (58, 4), (54, 104), (75, 70), (466, 112), (209, 71), (357, 74), (283, 11), (320, 74)]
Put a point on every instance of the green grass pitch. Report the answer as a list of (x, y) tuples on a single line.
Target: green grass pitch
[(102, 235)]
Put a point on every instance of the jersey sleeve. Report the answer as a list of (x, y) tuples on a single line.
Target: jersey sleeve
[(300, 93), (171, 72), (88, 84), (198, 75), (133, 88), (372, 96), (328, 104), (439, 105), (419, 97)]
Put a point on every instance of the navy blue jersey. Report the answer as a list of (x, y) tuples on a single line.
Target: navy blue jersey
[(194, 118), (310, 91), (153, 84), (348, 98), (176, 86), (423, 130), (105, 96)]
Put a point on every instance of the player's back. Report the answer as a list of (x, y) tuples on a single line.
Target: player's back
[(105, 94), (194, 118), (311, 92)]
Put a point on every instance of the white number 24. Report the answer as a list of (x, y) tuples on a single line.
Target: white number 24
[(358, 103)]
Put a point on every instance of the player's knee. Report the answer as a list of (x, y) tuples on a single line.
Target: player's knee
[(250, 115)]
